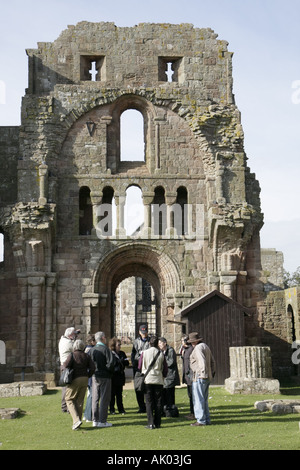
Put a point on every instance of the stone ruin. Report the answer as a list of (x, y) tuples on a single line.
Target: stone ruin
[(251, 371), (64, 171)]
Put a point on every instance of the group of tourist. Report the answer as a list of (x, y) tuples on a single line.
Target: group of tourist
[(99, 368)]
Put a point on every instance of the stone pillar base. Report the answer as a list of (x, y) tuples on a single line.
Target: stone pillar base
[(252, 386)]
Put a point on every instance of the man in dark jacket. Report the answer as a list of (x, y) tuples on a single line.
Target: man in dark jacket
[(140, 344), (171, 380), (185, 352), (101, 384)]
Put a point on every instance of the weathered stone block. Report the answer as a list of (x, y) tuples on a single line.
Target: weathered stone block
[(249, 386), (28, 389), (23, 389), (9, 390), (9, 413)]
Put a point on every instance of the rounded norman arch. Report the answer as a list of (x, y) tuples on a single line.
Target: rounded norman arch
[(139, 260)]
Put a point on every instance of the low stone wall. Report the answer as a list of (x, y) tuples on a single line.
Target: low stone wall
[(22, 389)]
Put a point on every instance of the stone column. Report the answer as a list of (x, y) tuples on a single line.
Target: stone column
[(105, 123), (50, 322), (43, 172), (147, 229), (251, 371), (37, 322), (171, 231), (96, 199), (158, 121), (89, 300), (157, 146), (120, 205), (219, 182)]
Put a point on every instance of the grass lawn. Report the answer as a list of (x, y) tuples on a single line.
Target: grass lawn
[(236, 425)]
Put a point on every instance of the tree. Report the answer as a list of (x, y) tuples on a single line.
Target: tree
[(291, 279)]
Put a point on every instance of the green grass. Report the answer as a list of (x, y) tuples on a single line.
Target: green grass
[(236, 425)]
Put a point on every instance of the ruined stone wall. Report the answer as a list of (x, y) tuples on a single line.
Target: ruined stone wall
[(69, 145), (278, 319), (9, 154), (272, 269), (134, 57), (9, 304)]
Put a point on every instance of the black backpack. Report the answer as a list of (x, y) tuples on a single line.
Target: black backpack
[(171, 412)]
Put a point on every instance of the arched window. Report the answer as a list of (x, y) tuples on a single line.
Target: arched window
[(182, 221), (134, 210), (290, 313), (159, 212), (85, 211), (293, 336), (108, 212), (132, 136)]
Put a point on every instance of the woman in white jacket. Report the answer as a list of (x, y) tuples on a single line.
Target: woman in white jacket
[(65, 347), (154, 382)]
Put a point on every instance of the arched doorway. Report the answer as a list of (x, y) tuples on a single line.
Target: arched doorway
[(292, 324), (134, 304), (139, 261)]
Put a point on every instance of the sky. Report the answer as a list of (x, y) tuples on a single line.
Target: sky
[(264, 36)]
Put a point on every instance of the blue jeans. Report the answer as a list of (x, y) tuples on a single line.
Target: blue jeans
[(200, 400)]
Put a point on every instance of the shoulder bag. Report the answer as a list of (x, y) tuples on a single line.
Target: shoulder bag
[(139, 378), (66, 376)]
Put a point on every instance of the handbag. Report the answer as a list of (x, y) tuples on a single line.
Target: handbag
[(66, 376), (139, 378)]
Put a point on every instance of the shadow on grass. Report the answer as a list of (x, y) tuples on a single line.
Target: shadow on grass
[(230, 414), (52, 391), (290, 391), (223, 415)]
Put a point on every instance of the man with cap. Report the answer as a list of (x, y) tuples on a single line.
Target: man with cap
[(140, 344), (202, 364), (65, 347)]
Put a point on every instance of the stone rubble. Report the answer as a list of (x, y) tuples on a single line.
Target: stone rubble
[(279, 407)]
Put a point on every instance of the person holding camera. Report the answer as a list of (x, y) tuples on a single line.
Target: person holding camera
[(65, 347)]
